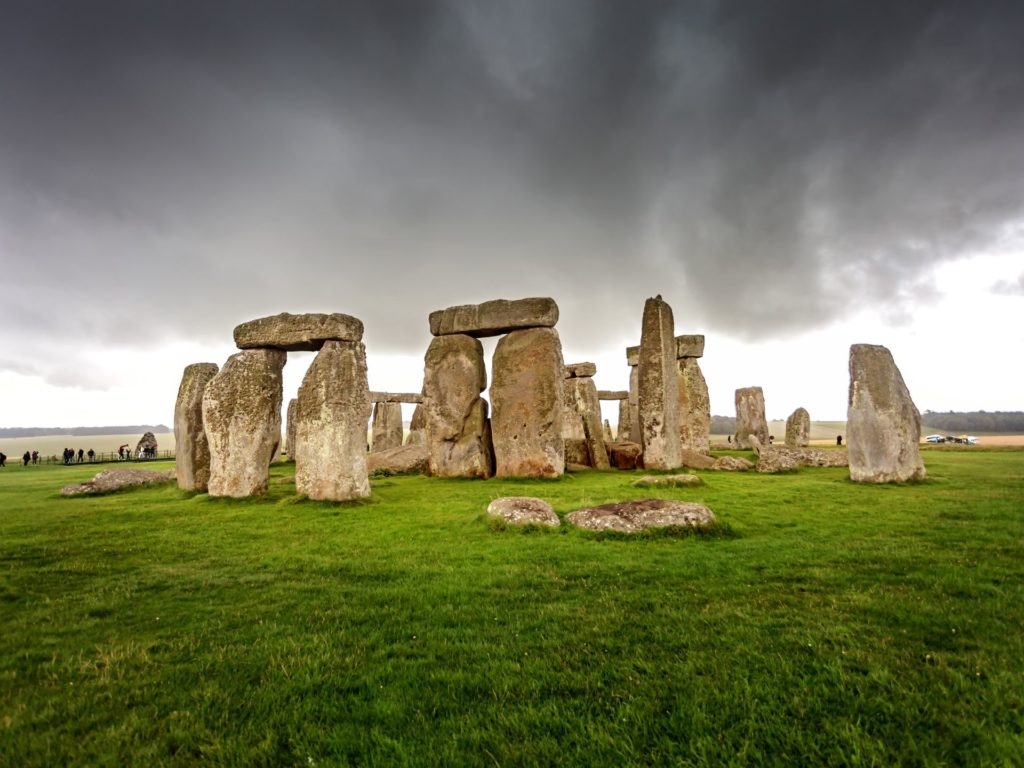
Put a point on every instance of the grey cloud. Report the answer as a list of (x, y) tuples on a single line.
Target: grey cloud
[(1010, 287)]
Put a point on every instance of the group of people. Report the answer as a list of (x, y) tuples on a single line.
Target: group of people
[(70, 455)]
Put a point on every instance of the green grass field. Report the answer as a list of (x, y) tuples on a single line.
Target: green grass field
[(838, 624)]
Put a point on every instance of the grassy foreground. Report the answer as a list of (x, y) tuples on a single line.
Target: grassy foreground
[(839, 624)]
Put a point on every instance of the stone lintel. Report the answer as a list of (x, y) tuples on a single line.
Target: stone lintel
[(689, 346), (297, 333), (612, 394), (494, 318), (396, 397), (580, 370)]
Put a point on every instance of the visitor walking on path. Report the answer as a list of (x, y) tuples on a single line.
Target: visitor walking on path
[(27, 458), (3, 459)]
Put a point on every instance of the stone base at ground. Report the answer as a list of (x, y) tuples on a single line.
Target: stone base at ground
[(626, 455), (404, 460), (732, 464), (668, 481), (523, 510), (695, 460), (633, 516), (774, 459), (111, 480)]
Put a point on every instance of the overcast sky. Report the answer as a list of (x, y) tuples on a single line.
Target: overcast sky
[(792, 177)]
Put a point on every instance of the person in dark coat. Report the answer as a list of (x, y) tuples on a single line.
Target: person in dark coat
[(27, 458), (3, 459)]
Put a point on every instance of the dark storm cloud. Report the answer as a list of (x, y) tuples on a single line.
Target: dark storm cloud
[(767, 166)]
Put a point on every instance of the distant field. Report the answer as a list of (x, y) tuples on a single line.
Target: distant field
[(830, 623), (53, 445)]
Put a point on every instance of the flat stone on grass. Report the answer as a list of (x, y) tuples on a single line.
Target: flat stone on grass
[(668, 481), (111, 480), (635, 516), (523, 510)]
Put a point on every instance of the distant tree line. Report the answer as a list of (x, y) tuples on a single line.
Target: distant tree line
[(723, 425), (974, 421), (130, 429)]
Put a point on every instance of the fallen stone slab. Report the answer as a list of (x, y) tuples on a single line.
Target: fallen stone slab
[(634, 516), (494, 318), (404, 460), (111, 480), (668, 481), (732, 464), (396, 397), (523, 510), (625, 455), (297, 333), (696, 460), (580, 370), (612, 394), (775, 459)]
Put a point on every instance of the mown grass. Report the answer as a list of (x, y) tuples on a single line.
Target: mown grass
[(832, 623)]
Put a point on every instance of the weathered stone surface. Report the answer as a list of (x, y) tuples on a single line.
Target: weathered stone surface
[(695, 459), (458, 432), (633, 356), (330, 425), (582, 413), (404, 460), (608, 436), (527, 394), (387, 426), (625, 455), (494, 318), (191, 451), (774, 459), (634, 406), (242, 419), (658, 387), (750, 418), (580, 370), (396, 397), (523, 510), (633, 516), (612, 394), (111, 480), (668, 481), (883, 424), (798, 429), (146, 443), (691, 345), (732, 464), (289, 428), (625, 426), (694, 407), (297, 333), (575, 452), (417, 428)]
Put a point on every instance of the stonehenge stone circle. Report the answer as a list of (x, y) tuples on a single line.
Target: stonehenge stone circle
[(192, 451), (527, 395), (694, 406), (297, 333), (750, 418), (883, 424), (658, 387), (242, 419), (330, 428), (387, 426), (457, 430), (798, 429), (494, 318)]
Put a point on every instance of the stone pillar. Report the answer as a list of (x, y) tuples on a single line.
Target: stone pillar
[(242, 418), (694, 407), (330, 424), (192, 451), (750, 418), (581, 418), (289, 428), (634, 406), (883, 426), (658, 387), (798, 429), (457, 430), (625, 429), (387, 426), (527, 395), (417, 427)]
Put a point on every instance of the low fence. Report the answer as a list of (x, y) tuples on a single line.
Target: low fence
[(97, 458)]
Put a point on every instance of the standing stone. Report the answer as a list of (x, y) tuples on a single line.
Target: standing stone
[(625, 427), (457, 430), (633, 435), (387, 426), (581, 419), (608, 436), (798, 429), (658, 387), (242, 418), (527, 394), (750, 418), (330, 428), (882, 423), (417, 427), (694, 407), (289, 429), (192, 452)]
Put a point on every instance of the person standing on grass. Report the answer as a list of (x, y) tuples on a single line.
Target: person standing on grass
[(27, 458), (35, 457), (91, 454), (3, 459), (81, 455)]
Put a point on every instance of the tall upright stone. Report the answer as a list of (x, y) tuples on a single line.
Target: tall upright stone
[(417, 427), (527, 395), (883, 426), (658, 387), (694, 407), (192, 451), (750, 418), (625, 428), (634, 406), (457, 430), (330, 424), (242, 419), (387, 426), (581, 419), (289, 427), (798, 429)]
